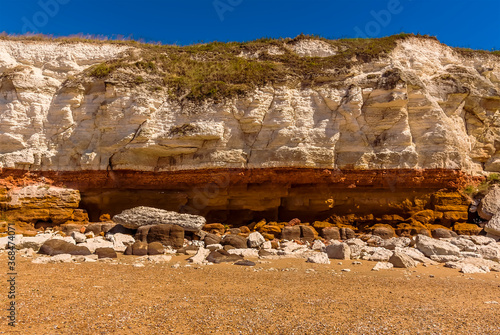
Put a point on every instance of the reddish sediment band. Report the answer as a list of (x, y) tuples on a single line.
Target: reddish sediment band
[(385, 179)]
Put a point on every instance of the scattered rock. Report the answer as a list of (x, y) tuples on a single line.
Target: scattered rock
[(318, 245), (255, 240), (379, 254), (245, 252), (57, 247), (221, 256), (120, 241), (212, 239), (382, 266), (319, 258), (61, 258), (401, 260), (105, 253), (245, 262), (429, 246), (493, 226), (330, 233), (236, 241), (166, 234), (139, 248), (469, 268), (443, 233), (338, 251), (291, 233), (155, 248), (78, 237), (200, 256), (490, 204), (346, 233), (385, 231)]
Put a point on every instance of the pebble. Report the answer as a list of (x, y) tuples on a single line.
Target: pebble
[(346, 270)]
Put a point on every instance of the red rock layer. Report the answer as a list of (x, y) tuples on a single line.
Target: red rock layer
[(116, 179)]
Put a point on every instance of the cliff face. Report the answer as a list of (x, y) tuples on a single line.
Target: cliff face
[(423, 105), (372, 134)]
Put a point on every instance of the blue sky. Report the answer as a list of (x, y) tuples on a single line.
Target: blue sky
[(465, 23)]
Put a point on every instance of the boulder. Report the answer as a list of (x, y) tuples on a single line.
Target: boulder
[(244, 252), (356, 246), (396, 242), (156, 248), (382, 266), (255, 240), (57, 246), (446, 258), (143, 216), (200, 256), (347, 233), (318, 245), (212, 239), (384, 232), (319, 258), (490, 252), (493, 226), (463, 244), (490, 204), (429, 246), (33, 242), (291, 233), (98, 228), (236, 241), (339, 251), (78, 237), (245, 262), (120, 241), (414, 254), (401, 260), (97, 242), (443, 233), (469, 268), (166, 234), (379, 255), (221, 256), (308, 233), (330, 233), (61, 258), (482, 240), (105, 253), (139, 248)]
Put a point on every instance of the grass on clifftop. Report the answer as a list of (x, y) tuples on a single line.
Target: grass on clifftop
[(222, 70)]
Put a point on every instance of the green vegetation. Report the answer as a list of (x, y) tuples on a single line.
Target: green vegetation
[(482, 187), (222, 70)]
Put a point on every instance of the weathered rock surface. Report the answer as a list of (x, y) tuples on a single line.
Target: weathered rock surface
[(490, 204), (319, 258), (167, 234), (235, 240), (339, 251), (143, 216), (429, 246), (106, 253), (493, 225), (401, 260)]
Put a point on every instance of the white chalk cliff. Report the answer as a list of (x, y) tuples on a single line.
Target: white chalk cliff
[(424, 105)]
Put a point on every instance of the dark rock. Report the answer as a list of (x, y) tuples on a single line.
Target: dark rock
[(291, 233), (264, 252), (245, 262), (384, 232), (235, 231), (293, 222), (212, 239), (346, 233), (443, 233), (228, 247), (98, 228), (142, 234), (139, 248), (331, 233), (221, 256), (122, 230), (236, 241), (167, 234), (307, 233), (156, 248), (56, 247), (186, 249), (106, 253)]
